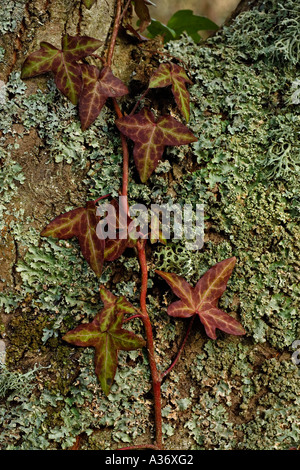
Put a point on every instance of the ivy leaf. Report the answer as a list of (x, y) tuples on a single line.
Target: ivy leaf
[(106, 335), (142, 12), (97, 87), (185, 20), (115, 247), (111, 300), (80, 223), (182, 20), (40, 62), (172, 74), (62, 62), (156, 28), (91, 101), (88, 3), (150, 138), (203, 298)]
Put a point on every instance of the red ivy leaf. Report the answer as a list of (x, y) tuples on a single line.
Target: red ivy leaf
[(202, 299), (151, 137), (110, 85), (62, 62), (80, 223), (91, 101), (172, 74), (97, 87), (115, 247), (106, 335)]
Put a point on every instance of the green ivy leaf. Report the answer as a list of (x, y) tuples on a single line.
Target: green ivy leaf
[(156, 28), (185, 20), (181, 21)]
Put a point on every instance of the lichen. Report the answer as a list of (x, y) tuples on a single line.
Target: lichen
[(240, 381), (11, 15)]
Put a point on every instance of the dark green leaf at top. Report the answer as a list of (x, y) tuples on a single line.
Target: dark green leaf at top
[(185, 20), (181, 21), (156, 28)]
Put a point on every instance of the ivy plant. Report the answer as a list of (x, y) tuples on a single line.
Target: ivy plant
[(90, 87)]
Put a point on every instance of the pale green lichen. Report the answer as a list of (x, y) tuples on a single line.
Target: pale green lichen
[(237, 380), (2, 53), (11, 14)]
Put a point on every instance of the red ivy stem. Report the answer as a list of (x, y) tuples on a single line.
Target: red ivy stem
[(101, 197), (138, 315), (114, 33), (156, 380), (139, 100), (125, 9), (180, 350), (96, 56)]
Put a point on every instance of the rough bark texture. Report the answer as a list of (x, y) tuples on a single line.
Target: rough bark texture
[(232, 393)]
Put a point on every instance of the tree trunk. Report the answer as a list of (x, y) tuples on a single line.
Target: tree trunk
[(234, 393)]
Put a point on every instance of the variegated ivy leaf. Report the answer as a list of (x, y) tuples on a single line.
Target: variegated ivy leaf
[(203, 298), (172, 74), (150, 138), (89, 3), (62, 62), (80, 223), (97, 87), (106, 335)]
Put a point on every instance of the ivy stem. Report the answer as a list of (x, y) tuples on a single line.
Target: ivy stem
[(114, 33), (125, 9), (101, 197), (138, 315), (139, 100), (156, 380), (180, 350)]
